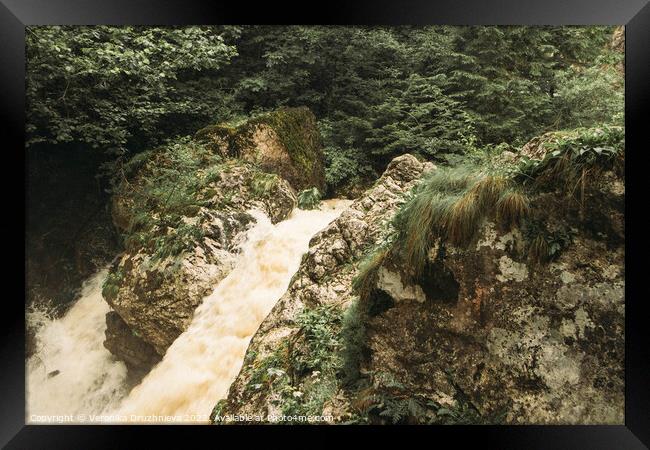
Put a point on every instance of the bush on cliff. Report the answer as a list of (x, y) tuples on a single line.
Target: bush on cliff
[(309, 198), (158, 194), (451, 203)]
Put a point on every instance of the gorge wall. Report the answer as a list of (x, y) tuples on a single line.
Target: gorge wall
[(487, 333)]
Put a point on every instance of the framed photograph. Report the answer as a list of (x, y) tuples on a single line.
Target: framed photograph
[(380, 218)]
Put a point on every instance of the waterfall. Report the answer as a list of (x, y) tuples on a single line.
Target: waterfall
[(203, 361), (71, 372)]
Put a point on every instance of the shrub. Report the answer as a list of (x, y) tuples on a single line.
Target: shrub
[(111, 286), (262, 184), (544, 245), (320, 328), (366, 279), (164, 190), (575, 158), (309, 198)]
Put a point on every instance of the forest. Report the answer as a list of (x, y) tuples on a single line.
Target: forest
[(377, 92), (147, 146)]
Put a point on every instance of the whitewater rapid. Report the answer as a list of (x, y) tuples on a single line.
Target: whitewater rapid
[(71, 373), (200, 365)]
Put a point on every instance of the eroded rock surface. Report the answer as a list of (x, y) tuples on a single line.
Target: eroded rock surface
[(325, 277), (522, 344), (138, 355), (484, 335)]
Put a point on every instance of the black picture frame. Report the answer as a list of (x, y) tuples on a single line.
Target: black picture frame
[(16, 14)]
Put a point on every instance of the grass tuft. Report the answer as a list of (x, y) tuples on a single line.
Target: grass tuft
[(538, 250), (463, 219), (512, 207), (489, 189), (366, 280), (450, 204)]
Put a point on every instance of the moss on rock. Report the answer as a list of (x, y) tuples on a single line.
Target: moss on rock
[(285, 142), (297, 131), (218, 138)]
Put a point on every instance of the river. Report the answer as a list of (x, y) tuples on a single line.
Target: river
[(71, 373)]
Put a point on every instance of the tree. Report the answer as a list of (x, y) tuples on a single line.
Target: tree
[(111, 88)]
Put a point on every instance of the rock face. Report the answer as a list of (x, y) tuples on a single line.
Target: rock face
[(155, 296), (485, 335), (134, 351), (285, 142), (325, 277), (520, 343)]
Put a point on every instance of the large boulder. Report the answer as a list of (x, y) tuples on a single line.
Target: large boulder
[(285, 142), (138, 355), (516, 342), (489, 333), (182, 234)]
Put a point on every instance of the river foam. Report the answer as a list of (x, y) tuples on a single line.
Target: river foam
[(200, 365)]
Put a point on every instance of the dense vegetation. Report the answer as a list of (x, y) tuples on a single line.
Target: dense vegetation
[(377, 91), (135, 113), (98, 96)]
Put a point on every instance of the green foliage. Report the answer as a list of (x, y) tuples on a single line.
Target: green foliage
[(262, 184), (377, 91), (574, 158), (319, 357), (544, 245), (177, 240), (303, 370), (380, 91), (421, 120), (269, 370), (217, 411), (165, 194), (320, 327), (344, 165), (111, 286), (366, 279), (590, 95), (309, 198), (388, 401), (353, 336), (508, 76), (113, 88)]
